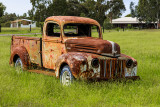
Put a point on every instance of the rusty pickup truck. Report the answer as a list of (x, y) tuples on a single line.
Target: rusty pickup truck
[(72, 48)]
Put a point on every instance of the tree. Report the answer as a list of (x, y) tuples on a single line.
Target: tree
[(147, 11), (101, 9), (128, 15), (6, 18), (117, 7), (59, 7), (96, 9), (2, 9), (74, 8), (39, 10)]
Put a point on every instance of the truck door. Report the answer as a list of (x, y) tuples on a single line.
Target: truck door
[(51, 45)]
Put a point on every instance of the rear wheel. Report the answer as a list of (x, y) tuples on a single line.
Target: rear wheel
[(66, 76), (19, 65)]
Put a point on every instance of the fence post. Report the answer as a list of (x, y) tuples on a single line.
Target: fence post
[(0, 27), (30, 28), (103, 29), (41, 28)]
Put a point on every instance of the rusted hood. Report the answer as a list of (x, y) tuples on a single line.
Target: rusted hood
[(93, 45)]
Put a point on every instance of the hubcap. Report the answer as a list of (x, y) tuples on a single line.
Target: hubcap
[(66, 78), (19, 65)]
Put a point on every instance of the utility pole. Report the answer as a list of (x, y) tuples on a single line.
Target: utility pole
[(0, 27), (111, 11), (157, 14)]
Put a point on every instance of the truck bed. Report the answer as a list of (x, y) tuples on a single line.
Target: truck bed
[(32, 44)]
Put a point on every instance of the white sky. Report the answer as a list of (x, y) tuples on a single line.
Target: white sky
[(22, 6)]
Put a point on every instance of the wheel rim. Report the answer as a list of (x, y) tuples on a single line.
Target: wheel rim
[(66, 78), (19, 65)]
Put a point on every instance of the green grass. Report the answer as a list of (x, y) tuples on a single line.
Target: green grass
[(7, 30), (30, 89)]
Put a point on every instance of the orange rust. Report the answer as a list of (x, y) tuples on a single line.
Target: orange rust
[(43, 72), (71, 19), (55, 50)]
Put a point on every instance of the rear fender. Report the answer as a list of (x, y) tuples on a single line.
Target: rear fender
[(22, 53)]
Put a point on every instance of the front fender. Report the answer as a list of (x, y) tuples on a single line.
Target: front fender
[(74, 60)]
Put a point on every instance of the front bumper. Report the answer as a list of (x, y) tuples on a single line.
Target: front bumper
[(114, 79)]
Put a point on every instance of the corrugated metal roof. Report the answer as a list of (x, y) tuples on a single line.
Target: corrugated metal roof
[(19, 20), (125, 20)]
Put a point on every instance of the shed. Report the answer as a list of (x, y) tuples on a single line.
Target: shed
[(23, 23)]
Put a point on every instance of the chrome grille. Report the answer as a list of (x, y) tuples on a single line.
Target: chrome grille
[(112, 68)]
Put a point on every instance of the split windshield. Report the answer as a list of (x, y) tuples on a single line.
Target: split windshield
[(75, 30)]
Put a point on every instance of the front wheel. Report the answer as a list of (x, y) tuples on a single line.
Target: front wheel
[(66, 76), (19, 65)]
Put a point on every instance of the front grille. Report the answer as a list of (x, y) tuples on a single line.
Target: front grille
[(112, 68)]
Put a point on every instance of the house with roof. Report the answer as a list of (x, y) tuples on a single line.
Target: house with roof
[(132, 22), (23, 23)]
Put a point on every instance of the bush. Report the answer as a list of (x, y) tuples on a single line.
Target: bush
[(107, 25), (39, 24), (7, 24), (117, 29), (129, 26)]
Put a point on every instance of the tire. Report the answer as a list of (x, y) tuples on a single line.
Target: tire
[(66, 77), (19, 65)]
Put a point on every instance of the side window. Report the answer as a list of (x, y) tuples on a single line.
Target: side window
[(95, 31), (53, 29)]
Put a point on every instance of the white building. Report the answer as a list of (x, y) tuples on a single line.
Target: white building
[(130, 21), (23, 23)]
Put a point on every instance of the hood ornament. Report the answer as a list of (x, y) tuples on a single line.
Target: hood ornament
[(114, 53)]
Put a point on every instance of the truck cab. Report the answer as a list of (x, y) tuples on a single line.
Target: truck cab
[(73, 47)]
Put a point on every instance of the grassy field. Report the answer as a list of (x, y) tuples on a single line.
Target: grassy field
[(30, 89), (7, 30)]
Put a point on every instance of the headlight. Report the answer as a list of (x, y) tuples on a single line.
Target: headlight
[(129, 63), (95, 62), (134, 71), (131, 72)]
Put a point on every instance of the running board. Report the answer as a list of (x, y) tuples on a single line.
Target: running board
[(43, 72)]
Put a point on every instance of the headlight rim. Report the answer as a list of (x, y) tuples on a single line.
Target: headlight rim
[(93, 62), (129, 63)]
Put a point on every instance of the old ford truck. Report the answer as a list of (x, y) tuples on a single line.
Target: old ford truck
[(72, 48)]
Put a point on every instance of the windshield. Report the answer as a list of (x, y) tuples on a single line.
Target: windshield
[(76, 30)]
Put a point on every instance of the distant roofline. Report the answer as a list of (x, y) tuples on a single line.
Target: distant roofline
[(19, 20), (126, 20)]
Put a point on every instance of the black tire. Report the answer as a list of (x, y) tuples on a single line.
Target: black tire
[(66, 77), (19, 65)]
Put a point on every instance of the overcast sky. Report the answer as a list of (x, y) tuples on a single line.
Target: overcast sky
[(22, 6)]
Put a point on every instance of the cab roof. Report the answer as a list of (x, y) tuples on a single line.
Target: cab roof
[(72, 19)]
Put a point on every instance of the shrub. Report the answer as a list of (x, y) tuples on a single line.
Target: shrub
[(107, 25), (7, 24)]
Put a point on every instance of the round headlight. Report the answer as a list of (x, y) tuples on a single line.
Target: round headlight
[(95, 63), (129, 63)]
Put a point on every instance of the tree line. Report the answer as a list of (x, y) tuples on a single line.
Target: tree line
[(101, 10), (95, 9)]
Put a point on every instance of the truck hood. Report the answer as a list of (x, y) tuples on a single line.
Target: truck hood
[(93, 45)]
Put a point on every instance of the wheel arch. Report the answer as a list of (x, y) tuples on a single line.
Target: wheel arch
[(20, 52), (16, 56), (61, 67), (73, 60)]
